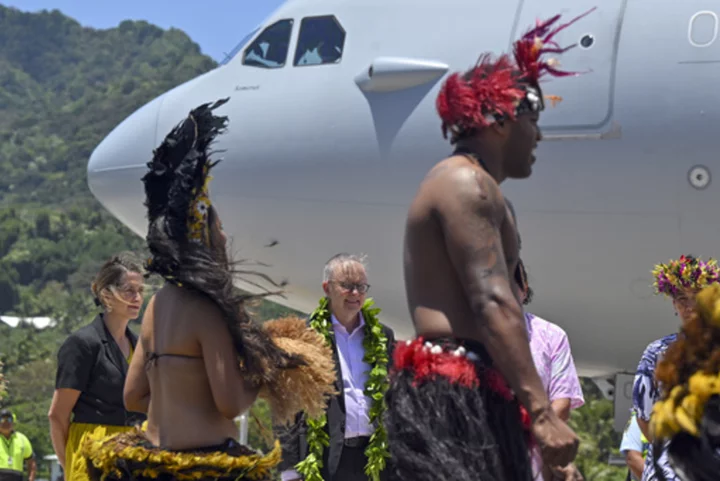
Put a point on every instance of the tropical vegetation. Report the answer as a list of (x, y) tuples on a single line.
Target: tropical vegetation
[(63, 87)]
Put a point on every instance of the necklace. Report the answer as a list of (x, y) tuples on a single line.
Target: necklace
[(376, 355), (469, 153)]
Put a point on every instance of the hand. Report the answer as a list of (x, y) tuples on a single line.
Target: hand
[(557, 442), (566, 473)]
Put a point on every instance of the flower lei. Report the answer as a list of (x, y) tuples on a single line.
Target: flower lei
[(376, 355)]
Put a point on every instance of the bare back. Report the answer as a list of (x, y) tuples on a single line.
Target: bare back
[(437, 298), (184, 410)]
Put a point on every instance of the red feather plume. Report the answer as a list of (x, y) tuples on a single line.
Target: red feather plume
[(466, 101), (530, 48), (426, 365), (469, 101)]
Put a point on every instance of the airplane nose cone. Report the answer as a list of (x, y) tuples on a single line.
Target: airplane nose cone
[(118, 163)]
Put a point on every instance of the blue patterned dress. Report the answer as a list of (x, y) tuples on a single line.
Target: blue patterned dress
[(645, 394)]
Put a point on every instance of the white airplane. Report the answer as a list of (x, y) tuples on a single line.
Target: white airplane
[(333, 126)]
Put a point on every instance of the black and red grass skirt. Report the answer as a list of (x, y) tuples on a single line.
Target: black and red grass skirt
[(452, 416)]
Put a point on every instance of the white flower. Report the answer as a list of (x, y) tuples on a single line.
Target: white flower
[(460, 351), (202, 207)]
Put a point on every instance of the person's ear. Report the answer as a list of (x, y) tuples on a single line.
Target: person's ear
[(501, 128)]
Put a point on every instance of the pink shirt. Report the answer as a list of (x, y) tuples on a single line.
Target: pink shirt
[(551, 354)]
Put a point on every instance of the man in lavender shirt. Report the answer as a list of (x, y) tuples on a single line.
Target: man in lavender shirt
[(348, 426), (551, 354)]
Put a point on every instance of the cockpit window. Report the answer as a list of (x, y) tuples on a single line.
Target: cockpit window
[(321, 41), (270, 48), (238, 47)]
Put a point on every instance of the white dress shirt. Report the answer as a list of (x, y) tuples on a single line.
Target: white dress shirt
[(354, 372)]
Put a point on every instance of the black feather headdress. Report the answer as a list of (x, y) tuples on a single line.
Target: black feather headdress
[(176, 185)]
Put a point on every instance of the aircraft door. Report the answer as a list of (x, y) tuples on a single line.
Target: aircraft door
[(596, 37)]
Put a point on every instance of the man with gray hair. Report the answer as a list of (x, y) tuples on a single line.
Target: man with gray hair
[(349, 443)]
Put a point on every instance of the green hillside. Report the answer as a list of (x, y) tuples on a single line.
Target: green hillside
[(63, 87)]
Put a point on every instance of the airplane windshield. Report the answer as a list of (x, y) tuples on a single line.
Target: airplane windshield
[(270, 49), (239, 46)]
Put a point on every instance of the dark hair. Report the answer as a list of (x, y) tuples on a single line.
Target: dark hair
[(522, 281), (176, 174), (111, 274), (203, 270)]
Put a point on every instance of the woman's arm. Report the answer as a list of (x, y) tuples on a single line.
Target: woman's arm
[(75, 361), (63, 402), (136, 393)]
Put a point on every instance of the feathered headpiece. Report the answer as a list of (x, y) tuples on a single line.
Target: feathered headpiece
[(498, 89), (685, 273), (176, 186)]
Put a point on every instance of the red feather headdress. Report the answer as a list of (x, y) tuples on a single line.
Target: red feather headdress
[(496, 89)]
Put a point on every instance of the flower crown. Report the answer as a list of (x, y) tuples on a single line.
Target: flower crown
[(498, 89), (685, 273)]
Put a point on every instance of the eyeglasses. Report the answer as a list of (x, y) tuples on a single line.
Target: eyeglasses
[(6, 419), (129, 292), (350, 287)]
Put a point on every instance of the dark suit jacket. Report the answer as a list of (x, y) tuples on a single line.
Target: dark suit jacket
[(91, 362), (294, 438)]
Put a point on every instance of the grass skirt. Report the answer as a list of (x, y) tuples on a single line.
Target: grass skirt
[(451, 416), (75, 464), (131, 456)]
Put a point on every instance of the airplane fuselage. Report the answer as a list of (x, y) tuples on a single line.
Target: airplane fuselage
[(321, 159)]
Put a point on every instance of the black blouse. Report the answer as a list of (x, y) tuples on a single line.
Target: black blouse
[(91, 362)]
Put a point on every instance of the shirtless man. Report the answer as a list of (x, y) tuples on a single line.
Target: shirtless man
[(472, 355)]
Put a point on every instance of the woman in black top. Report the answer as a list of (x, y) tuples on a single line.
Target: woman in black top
[(92, 367)]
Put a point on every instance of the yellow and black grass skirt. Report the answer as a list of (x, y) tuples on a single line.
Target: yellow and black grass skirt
[(131, 456)]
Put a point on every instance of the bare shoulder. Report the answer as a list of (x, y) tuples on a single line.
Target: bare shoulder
[(456, 184), (192, 305)]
